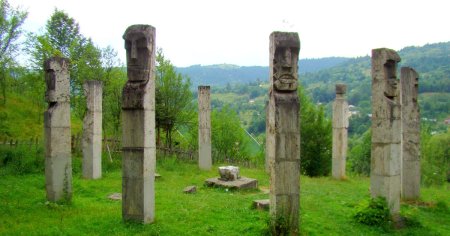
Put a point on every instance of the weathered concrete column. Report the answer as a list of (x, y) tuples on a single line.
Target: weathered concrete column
[(92, 130), (58, 158), (284, 125), (204, 128), (270, 137), (138, 123), (386, 128), (409, 84), (340, 127)]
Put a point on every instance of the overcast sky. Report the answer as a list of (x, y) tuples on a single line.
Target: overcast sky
[(237, 31)]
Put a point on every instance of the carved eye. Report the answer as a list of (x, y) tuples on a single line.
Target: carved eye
[(127, 44)]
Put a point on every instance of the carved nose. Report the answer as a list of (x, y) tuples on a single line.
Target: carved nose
[(133, 51)]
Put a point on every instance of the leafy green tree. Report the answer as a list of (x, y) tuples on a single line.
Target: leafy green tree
[(435, 158), (228, 137), (11, 19), (62, 37), (173, 99), (359, 154), (315, 133)]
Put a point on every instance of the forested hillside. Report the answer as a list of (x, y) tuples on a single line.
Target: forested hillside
[(231, 74)]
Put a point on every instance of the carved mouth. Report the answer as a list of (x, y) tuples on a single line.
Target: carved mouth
[(287, 79)]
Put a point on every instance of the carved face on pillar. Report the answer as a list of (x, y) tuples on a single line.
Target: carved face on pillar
[(390, 71), (285, 69), (50, 77), (139, 47)]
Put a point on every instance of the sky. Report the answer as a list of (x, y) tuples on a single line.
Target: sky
[(237, 32)]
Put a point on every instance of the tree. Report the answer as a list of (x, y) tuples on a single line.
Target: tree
[(316, 141), (359, 154), (435, 157), (11, 19), (173, 99), (228, 138), (63, 38)]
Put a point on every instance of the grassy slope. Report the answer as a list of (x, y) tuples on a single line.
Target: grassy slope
[(25, 120), (326, 207)]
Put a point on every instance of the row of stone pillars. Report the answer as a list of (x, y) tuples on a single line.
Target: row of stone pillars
[(58, 159), (283, 136), (395, 162)]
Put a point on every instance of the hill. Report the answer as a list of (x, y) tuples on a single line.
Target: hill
[(222, 74)]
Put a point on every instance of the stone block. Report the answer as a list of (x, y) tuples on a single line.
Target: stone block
[(138, 163), (242, 183), (262, 204), (385, 159), (57, 141), (138, 199), (57, 115), (410, 179), (388, 187), (229, 173), (287, 179), (58, 177), (190, 189), (138, 128)]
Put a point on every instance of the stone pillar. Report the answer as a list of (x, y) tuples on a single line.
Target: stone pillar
[(386, 128), (270, 136), (340, 127), (58, 158), (138, 123), (283, 125), (409, 84), (92, 130), (204, 128)]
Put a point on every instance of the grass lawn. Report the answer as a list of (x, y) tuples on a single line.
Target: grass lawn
[(327, 207)]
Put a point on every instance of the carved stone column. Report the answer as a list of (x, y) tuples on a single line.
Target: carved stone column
[(386, 128), (409, 84), (58, 159), (92, 130), (204, 128), (138, 123), (340, 127), (283, 124)]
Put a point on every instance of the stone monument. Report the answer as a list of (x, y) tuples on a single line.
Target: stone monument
[(340, 127), (58, 158), (204, 128), (386, 128), (283, 124), (92, 130), (138, 123), (230, 177), (409, 85)]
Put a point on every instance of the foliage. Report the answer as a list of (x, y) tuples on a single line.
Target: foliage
[(435, 158), (316, 138), (62, 37), (228, 138), (11, 20), (374, 212), (173, 99), (359, 154), (21, 160)]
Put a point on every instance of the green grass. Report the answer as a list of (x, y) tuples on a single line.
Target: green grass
[(327, 207)]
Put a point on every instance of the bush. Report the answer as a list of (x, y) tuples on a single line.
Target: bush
[(22, 160), (374, 212), (435, 160), (359, 154)]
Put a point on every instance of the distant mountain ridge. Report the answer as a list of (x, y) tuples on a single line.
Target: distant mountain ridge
[(223, 74)]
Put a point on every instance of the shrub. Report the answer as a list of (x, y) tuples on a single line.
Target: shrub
[(374, 212), (22, 160)]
